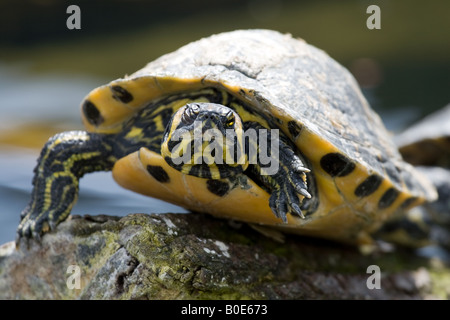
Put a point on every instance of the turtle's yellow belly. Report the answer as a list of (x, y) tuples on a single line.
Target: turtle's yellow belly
[(249, 203)]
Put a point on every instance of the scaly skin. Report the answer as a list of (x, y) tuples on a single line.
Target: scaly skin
[(287, 184), (67, 156)]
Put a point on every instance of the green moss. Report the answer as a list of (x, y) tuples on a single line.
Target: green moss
[(440, 282), (174, 260), (96, 249)]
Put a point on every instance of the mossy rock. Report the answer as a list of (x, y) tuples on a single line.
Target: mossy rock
[(195, 256)]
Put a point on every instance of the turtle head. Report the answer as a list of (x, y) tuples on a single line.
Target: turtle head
[(205, 140)]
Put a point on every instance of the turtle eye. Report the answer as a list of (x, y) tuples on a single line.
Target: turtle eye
[(230, 120), (230, 123), (190, 113)]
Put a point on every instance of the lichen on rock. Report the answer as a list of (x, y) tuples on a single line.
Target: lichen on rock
[(195, 256)]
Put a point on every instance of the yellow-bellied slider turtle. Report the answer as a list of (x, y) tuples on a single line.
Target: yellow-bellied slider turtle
[(285, 104)]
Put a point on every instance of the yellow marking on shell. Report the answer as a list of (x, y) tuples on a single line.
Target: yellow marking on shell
[(192, 193), (339, 215), (143, 90), (339, 192), (339, 207)]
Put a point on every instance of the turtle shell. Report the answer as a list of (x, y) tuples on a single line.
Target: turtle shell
[(359, 176)]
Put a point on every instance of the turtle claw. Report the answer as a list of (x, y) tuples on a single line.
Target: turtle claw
[(301, 188), (293, 191), (299, 183), (282, 207), (273, 204), (36, 236), (290, 190), (24, 229), (33, 226), (297, 166), (52, 225), (278, 204), (285, 200), (26, 232), (297, 210)]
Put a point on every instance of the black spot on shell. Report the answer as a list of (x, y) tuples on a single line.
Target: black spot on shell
[(408, 202), (336, 164), (388, 198), (368, 186), (121, 94), (294, 129), (91, 113), (218, 187), (411, 228), (158, 173)]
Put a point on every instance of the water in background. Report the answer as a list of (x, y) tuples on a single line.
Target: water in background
[(99, 194), (51, 104), (46, 69)]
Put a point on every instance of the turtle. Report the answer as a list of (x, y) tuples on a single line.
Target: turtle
[(250, 125)]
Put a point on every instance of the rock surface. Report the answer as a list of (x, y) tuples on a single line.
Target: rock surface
[(195, 256)]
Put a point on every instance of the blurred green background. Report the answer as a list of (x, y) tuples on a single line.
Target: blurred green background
[(46, 69)]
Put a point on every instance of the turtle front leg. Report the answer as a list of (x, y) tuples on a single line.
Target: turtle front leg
[(65, 158), (281, 171)]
